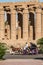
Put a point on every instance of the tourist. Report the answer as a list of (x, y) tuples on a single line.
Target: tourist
[(26, 46)]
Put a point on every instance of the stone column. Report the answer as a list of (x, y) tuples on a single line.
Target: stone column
[(31, 33), (25, 24), (13, 23), (38, 23), (42, 23), (8, 31), (2, 21)]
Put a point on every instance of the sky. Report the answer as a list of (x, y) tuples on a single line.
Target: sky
[(16, 0)]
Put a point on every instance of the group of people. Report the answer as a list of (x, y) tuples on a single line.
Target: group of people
[(32, 49)]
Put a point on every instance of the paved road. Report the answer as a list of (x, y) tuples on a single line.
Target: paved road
[(8, 56), (21, 62)]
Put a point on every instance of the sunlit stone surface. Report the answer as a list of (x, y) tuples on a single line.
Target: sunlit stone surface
[(21, 22)]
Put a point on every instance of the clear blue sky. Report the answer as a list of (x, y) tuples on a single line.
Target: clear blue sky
[(16, 0)]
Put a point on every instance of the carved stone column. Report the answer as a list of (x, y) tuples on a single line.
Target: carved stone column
[(8, 31), (25, 24), (13, 23), (42, 23), (2, 21), (31, 33), (38, 23)]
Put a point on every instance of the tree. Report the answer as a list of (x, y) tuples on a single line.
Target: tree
[(2, 50), (40, 43)]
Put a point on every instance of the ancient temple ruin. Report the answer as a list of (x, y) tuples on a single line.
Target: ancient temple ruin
[(23, 22)]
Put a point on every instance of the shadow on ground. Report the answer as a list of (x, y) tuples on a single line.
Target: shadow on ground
[(39, 58)]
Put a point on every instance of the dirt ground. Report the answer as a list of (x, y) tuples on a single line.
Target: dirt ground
[(21, 62)]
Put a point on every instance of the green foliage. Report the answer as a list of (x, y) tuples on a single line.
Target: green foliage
[(40, 43), (2, 50)]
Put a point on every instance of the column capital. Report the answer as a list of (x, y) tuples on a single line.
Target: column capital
[(1, 10), (13, 10), (12, 7), (25, 10), (38, 10)]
